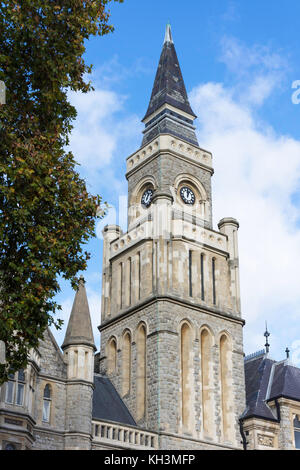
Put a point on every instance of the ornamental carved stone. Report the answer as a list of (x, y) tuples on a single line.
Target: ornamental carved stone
[(265, 440)]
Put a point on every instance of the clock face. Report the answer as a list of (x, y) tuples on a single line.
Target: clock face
[(147, 197), (187, 195)]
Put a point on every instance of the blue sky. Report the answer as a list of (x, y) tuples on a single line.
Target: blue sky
[(239, 60)]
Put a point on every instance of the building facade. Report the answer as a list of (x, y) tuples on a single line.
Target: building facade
[(171, 370)]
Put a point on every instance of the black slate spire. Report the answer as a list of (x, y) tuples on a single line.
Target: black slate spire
[(169, 89), (168, 84)]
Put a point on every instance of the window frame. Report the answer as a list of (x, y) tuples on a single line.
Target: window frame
[(16, 383), (46, 410)]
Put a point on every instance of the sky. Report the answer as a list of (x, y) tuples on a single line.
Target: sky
[(240, 61)]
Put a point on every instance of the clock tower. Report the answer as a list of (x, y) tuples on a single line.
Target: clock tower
[(171, 326)]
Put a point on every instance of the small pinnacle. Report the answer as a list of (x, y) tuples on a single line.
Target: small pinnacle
[(267, 334), (168, 34), (287, 351)]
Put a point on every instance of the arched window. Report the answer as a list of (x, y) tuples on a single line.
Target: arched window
[(296, 423), (121, 284), (46, 404), (207, 382), (126, 363), (202, 276), (86, 365), (139, 274), (141, 372), (190, 273), (213, 268), (10, 446), (112, 356), (226, 378), (128, 282), (186, 372)]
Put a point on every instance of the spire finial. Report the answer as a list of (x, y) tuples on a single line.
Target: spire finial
[(287, 351), (267, 334), (168, 34)]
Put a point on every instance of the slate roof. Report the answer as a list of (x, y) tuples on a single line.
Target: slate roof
[(168, 85), (107, 403), (286, 381), (265, 380), (257, 373)]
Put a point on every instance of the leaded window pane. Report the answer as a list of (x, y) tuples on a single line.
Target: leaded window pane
[(10, 392), (46, 411), (297, 439), (20, 394), (47, 392), (297, 422), (21, 376)]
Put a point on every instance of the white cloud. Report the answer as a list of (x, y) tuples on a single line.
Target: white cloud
[(99, 130), (256, 174), (256, 71), (239, 58), (296, 352)]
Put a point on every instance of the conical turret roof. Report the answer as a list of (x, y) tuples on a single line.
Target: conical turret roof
[(79, 330)]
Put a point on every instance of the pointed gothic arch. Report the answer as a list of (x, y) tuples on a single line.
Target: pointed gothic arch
[(225, 345), (200, 207), (207, 382), (141, 380), (126, 362), (112, 355), (135, 208), (186, 376)]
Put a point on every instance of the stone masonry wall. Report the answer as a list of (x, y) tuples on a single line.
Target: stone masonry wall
[(163, 319)]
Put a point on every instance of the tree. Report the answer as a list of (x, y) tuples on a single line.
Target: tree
[(46, 213)]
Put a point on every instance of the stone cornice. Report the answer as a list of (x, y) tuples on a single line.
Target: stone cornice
[(187, 152), (257, 422), (18, 414), (172, 153), (285, 400), (200, 441), (169, 298)]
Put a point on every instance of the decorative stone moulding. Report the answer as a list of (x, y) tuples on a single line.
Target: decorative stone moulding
[(164, 143), (129, 239), (200, 235), (181, 229)]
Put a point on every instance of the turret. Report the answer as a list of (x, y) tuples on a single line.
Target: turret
[(79, 345), (229, 227), (79, 348)]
